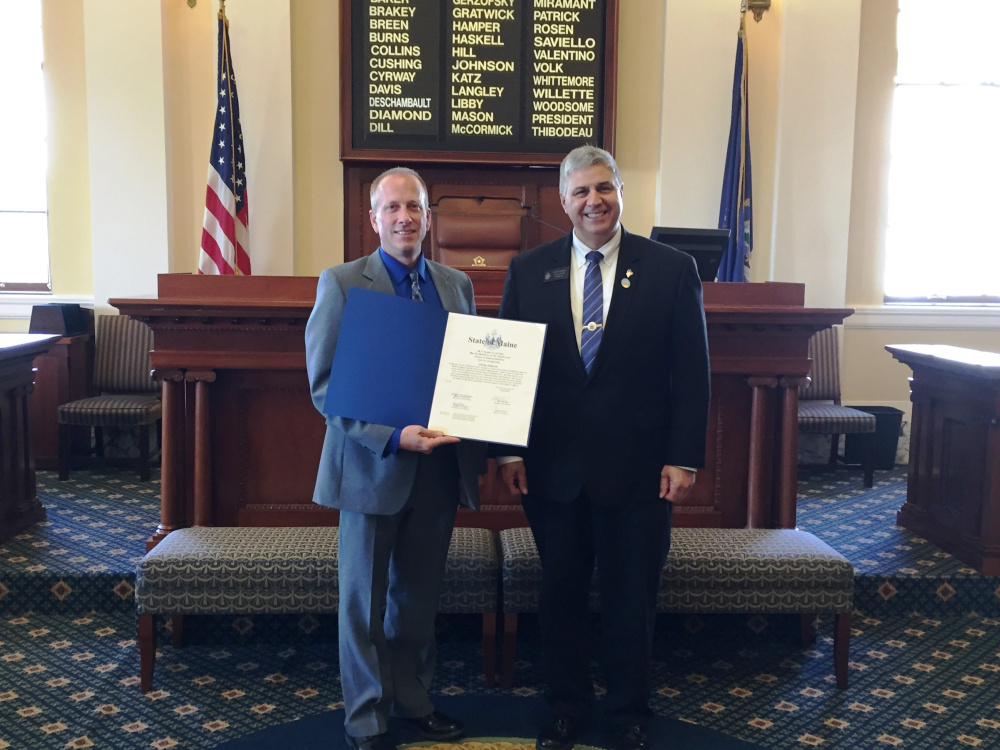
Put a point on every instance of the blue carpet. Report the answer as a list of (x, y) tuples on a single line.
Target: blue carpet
[(487, 717), (924, 667)]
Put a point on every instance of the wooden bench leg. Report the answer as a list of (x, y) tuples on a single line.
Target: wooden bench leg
[(490, 648), (807, 627), (509, 648), (147, 651), (841, 647), (177, 630)]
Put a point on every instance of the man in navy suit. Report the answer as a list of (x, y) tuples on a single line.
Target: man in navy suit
[(618, 431), (397, 488)]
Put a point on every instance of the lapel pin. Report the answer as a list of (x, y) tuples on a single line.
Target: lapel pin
[(628, 273), (626, 283)]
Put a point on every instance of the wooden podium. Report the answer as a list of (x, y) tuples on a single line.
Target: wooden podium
[(241, 439)]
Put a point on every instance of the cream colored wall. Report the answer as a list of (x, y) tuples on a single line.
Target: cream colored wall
[(870, 373), (191, 97), (764, 45), (640, 83), (876, 70), (319, 173), (69, 173), (673, 113)]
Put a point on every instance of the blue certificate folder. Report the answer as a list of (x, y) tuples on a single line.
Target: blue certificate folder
[(386, 363)]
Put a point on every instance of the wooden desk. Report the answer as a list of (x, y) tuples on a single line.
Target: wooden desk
[(241, 439), (62, 374), (953, 490), (19, 506)]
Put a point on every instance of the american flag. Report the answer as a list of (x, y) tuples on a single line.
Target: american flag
[(225, 236)]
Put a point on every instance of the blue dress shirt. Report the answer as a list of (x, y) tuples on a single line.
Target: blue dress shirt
[(400, 277)]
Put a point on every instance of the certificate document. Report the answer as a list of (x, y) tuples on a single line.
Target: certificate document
[(487, 378), (400, 362)]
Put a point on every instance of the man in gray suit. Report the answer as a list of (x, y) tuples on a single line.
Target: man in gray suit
[(397, 488)]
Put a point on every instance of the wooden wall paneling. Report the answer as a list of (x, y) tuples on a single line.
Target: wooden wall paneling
[(481, 219)]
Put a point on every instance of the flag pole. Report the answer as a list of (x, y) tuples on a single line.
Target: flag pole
[(232, 115)]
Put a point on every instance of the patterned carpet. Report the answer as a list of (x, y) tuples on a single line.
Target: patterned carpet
[(925, 654)]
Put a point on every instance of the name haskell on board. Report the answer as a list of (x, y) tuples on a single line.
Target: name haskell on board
[(563, 104)]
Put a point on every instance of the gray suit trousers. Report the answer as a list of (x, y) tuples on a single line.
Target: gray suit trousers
[(395, 562)]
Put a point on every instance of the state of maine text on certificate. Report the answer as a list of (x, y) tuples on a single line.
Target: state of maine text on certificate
[(487, 379)]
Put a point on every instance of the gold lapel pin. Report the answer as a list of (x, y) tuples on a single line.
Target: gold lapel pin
[(628, 273), (626, 283)]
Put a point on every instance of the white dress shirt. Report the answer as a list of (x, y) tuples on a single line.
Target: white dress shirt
[(578, 269)]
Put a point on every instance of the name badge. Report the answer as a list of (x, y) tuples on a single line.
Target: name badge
[(556, 274)]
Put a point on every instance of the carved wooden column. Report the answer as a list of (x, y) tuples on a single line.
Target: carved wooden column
[(757, 481), (172, 490), (788, 481), (202, 446)]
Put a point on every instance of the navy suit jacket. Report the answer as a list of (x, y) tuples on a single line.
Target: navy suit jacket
[(354, 473), (645, 402)]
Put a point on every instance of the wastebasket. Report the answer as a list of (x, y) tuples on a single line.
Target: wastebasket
[(879, 446)]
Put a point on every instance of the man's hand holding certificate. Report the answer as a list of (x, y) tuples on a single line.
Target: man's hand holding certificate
[(481, 387)]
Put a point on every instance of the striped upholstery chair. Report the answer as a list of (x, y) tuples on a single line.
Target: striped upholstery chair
[(129, 395), (820, 411)]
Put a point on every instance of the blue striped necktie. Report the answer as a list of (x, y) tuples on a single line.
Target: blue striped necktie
[(593, 310), (415, 293)]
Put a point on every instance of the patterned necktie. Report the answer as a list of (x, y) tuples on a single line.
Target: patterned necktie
[(593, 310), (415, 287)]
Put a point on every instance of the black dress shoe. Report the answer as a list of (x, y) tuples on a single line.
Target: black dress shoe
[(631, 737), (374, 742), (558, 734), (437, 726)]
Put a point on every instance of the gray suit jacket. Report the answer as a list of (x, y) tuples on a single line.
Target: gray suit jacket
[(356, 471)]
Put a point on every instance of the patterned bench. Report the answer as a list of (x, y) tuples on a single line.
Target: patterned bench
[(265, 570), (713, 571)]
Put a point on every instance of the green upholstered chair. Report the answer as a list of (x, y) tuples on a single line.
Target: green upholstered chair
[(129, 395), (820, 411)]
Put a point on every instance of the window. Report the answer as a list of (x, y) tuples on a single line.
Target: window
[(24, 233), (943, 237)]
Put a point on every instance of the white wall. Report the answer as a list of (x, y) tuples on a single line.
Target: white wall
[(260, 35), (699, 57), (817, 68), (817, 93), (130, 231), (130, 174)]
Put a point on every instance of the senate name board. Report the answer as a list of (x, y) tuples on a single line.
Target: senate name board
[(490, 76)]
